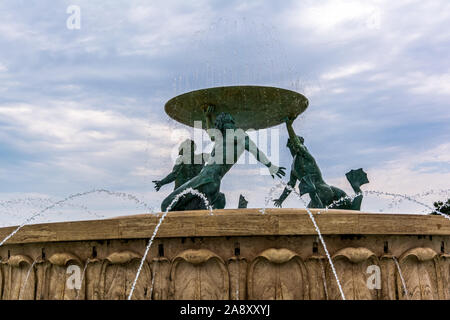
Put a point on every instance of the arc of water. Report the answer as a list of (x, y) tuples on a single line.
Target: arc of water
[(73, 196), (153, 283), (410, 198), (155, 231), (326, 251), (401, 277), (82, 276), (316, 227), (351, 197), (324, 279), (32, 202), (237, 279), (446, 216), (24, 283), (270, 197)]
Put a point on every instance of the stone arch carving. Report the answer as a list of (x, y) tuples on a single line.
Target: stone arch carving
[(117, 273), (237, 269), (277, 274), (421, 275), (61, 278), (351, 267), (199, 275), (316, 272), (19, 278)]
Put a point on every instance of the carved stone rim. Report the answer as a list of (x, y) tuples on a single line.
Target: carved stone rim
[(232, 222)]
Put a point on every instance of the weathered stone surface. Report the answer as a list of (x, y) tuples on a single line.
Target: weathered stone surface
[(235, 254)]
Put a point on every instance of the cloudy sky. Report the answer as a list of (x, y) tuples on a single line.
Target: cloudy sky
[(84, 108)]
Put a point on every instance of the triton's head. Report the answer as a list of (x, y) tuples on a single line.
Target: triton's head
[(224, 121)]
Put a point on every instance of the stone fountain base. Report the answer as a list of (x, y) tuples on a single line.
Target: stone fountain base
[(234, 254)]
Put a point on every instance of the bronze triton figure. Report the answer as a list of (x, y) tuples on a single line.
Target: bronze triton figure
[(229, 144), (187, 165), (305, 169)]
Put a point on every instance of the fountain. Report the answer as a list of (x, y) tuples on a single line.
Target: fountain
[(263, 253)]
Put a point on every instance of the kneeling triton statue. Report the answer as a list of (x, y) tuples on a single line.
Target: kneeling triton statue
[(187, 165), (306, 170)]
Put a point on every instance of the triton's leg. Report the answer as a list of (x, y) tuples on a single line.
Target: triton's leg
[(219, 203), (356, 203), (168, 200), (340, 198), (315, 201), (307, 185)]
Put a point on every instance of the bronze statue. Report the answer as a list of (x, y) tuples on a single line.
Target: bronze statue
[(307, 172), (225, 136), (242, 202), (187, 165)]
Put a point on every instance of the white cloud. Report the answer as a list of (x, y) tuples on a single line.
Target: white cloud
[(347, 71), (404, 174), (328, 15), (416, 82), (431, 84)]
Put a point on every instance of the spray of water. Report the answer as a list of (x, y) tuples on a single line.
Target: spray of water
[(365, 193), (237, 279), (405, 290), (324, 279), (270, 197), (438, 193), (71, 197), (174, 201), (338, 201), (82, 276), (13, 207), (316, 227), (409, 198), (24, 283), (153, 283)]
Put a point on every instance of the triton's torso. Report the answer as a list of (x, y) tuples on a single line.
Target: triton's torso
[(189, 171), (222, 158), (304, 164)]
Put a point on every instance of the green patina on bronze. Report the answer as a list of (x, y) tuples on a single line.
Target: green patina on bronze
[(187, 165), (307, 172), (209, 179), (242, 202), (252, 107), (225, 110)]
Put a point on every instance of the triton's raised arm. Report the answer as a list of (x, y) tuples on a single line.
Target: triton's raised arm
[(292, 136), (287, 191), (208, 111), (251, 147)]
